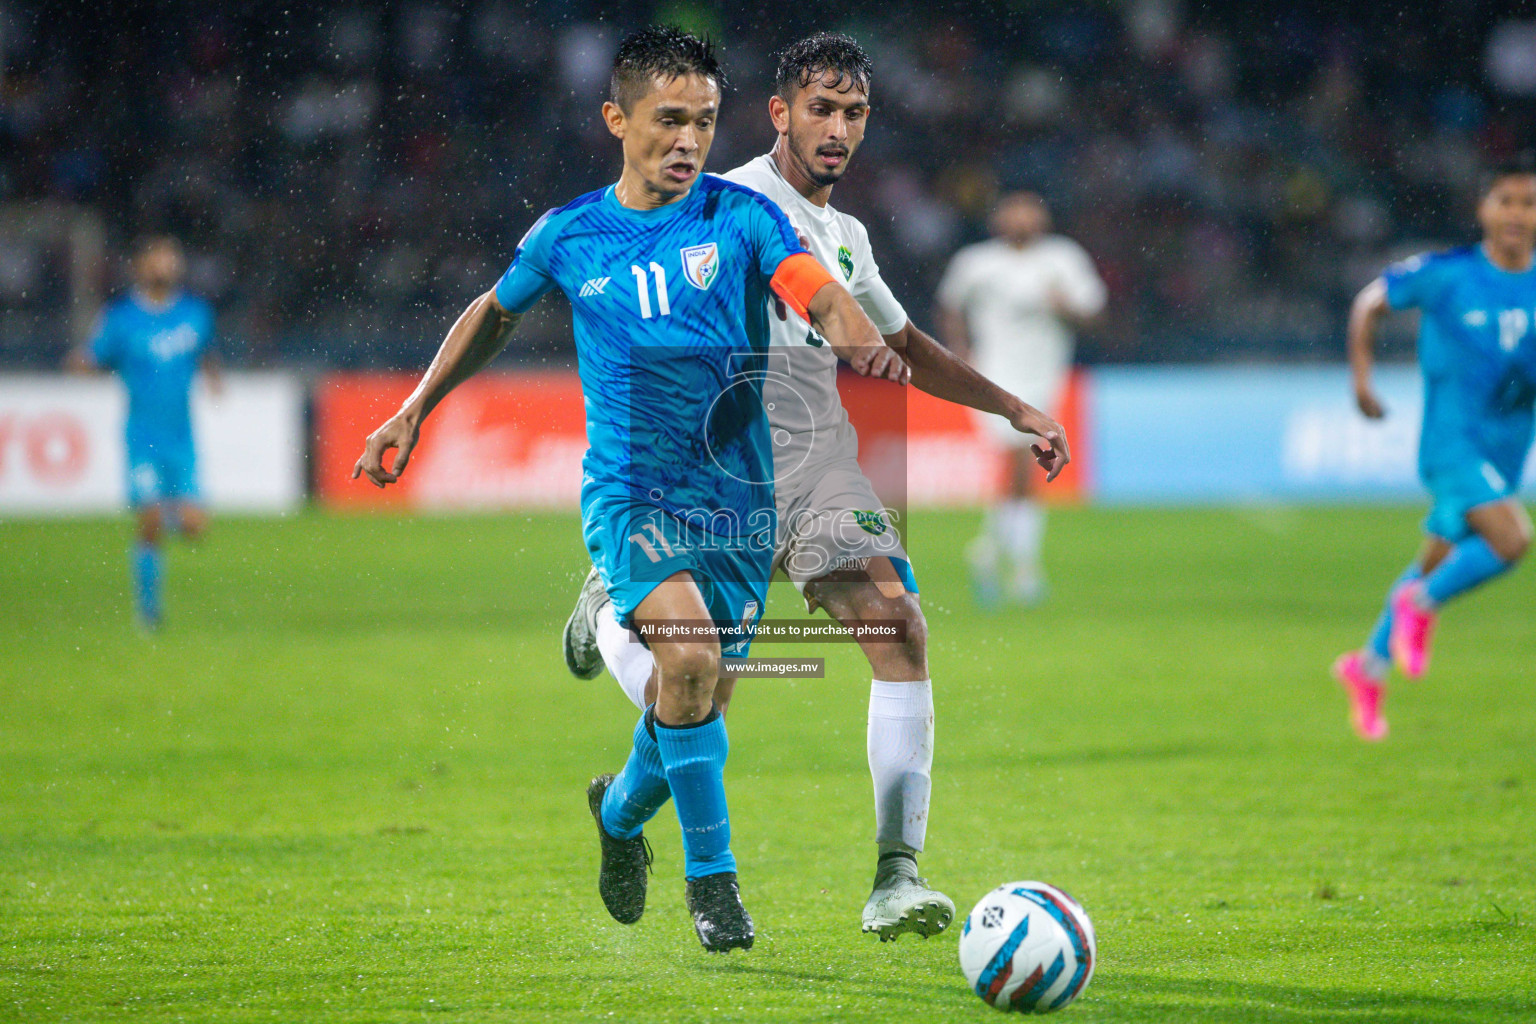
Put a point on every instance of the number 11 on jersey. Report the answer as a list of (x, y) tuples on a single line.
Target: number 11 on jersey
[(642, 288)]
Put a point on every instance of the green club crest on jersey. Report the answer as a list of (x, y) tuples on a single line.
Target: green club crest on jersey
[(845, 260), (870, 522)]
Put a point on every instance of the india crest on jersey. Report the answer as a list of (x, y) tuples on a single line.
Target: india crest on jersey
[(701, 265)]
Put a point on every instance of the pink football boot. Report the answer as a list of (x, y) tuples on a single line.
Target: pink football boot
[(1412, 628), (1364, 696)]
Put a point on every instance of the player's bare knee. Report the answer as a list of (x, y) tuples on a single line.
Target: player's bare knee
[(689, 670), (193, 524), (1512, 548), (1523, 534), (832, 598), (151, 524), (1505, 527)]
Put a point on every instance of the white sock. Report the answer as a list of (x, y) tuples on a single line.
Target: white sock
[(995, 524), (900, 762), (630, 661), (982, 552), (1025, 526)]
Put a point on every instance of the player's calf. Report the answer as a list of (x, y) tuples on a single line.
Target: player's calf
[(1500, 539), (146, 564)]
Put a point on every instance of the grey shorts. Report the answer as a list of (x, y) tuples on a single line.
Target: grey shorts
[(833, 523)]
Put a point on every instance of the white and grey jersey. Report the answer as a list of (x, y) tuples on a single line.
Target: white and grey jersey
[(805, 413), (1006, 294)]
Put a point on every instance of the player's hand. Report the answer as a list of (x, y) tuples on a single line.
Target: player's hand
[(1370, 406), (398, 432), (1054, 454), (879, 361)]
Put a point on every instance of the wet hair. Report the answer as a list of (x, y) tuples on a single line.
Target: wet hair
[(812, 58), (1520, 165), (661, 51)]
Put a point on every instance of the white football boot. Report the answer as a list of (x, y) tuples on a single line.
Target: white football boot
[(902, 902), (579, 640)]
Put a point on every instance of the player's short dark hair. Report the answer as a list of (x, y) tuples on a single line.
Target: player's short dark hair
[(1521, 165), (144, 243), (812, 58), (660, 51)]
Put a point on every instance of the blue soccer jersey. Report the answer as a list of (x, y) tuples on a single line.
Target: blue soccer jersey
[(670, 315), (669, 309), (156, 351), (1477, 350)]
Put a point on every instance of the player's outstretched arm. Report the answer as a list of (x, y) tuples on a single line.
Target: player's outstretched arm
[(476, 337), (952, 328), (945, 375), (853, 335), (1364, 317)]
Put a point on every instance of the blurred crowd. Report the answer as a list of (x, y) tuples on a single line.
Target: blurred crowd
[(346, 177)]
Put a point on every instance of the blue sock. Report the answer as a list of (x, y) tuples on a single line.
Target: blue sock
[(1471, 563), (639, 790), (146, 581), (695, 760), (1377, 644)]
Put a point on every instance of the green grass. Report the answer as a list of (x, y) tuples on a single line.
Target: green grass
[(346, 784)]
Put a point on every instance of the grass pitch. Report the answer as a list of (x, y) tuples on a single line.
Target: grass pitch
[(346, 784)]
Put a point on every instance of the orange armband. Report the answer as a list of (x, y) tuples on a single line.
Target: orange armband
[(798, 279)]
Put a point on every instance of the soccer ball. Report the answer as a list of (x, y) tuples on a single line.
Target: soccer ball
[(1028, 946)]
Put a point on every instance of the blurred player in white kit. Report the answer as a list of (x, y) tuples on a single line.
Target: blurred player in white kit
[(1010, 305)]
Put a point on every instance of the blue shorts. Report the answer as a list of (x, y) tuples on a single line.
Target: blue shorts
[(1460, 488), (635, 546), (158, 472)]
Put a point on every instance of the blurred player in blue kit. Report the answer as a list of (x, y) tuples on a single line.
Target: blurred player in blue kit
[(155, 338), (1477, 350), (668, 273)]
